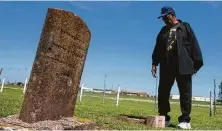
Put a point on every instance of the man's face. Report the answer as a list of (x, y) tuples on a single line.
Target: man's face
[(168, 19)]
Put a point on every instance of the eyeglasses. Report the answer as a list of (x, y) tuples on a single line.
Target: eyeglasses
[(165, 17)]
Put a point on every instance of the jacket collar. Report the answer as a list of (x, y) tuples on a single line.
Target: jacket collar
[(181, 27)]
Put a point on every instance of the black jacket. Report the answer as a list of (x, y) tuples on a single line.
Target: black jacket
[(190, 58)]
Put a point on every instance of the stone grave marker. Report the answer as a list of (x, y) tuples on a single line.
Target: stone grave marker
[(56, 73)]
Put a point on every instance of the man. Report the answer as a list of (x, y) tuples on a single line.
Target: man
[(179, 55)]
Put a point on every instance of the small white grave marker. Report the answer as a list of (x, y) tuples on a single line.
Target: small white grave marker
[(3, 81), (81, 90), (24, 89), (117, 97)]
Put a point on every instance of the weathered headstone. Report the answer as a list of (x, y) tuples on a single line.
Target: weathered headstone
[(54, 81)]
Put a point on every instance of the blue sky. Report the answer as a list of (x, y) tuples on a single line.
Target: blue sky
[(123, 37)]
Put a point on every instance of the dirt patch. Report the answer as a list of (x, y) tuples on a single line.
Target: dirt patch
[(69, 123), (132, 120), (153, 121)]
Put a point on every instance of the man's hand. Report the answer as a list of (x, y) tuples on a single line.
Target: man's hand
[(153, 71)]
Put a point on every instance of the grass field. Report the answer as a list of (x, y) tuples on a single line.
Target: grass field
[(91, 108)]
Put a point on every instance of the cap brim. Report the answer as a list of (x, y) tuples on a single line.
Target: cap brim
[(162, 15)]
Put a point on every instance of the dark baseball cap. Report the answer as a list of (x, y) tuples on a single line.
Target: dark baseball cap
[(166, 10)]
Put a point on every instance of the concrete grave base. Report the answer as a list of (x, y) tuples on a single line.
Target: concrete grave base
[(156, 121), (69, 123), (153, 121)]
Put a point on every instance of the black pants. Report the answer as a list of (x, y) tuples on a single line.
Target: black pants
[(184, 83)]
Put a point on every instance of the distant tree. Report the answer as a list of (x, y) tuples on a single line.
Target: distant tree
[(19, 84), (220, 92)]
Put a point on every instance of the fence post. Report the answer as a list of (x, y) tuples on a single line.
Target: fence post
[(104, 90), (1, 69), (214, 97), (210, 104)]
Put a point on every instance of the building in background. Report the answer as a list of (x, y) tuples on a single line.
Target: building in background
[(132, 93), (194, 98), (88, 89), (175, 97), (199, 98)]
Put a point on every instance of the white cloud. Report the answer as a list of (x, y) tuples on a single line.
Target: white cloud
[(214, 3), (121, 4), (81, 5), (135, 21), (90, 6), (110, 4)]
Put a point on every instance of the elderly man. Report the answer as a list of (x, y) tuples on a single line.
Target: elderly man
[(178, 53)]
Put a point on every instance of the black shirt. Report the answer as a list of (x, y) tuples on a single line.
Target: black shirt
[(171, 47)]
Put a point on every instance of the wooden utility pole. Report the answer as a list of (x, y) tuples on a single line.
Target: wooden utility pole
[(104, 88), (214, 97), (1, 71)]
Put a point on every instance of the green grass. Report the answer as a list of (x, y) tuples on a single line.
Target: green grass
[(10, 101), (141, 98), (91, 108)]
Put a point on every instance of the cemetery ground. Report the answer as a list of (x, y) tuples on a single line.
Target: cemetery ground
[(108, 115)]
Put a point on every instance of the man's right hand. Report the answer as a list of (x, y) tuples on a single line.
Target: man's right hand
[(153, 71)]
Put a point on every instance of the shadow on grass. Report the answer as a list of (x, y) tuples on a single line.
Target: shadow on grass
[(173, 126), (132, 116)]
